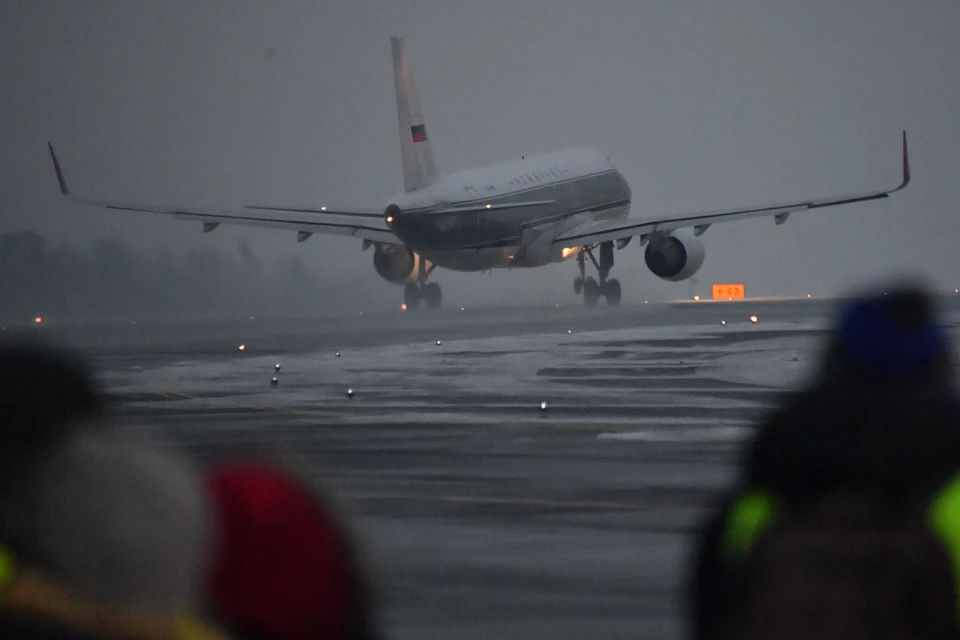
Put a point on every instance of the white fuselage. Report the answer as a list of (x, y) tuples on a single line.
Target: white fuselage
[(574, 186)]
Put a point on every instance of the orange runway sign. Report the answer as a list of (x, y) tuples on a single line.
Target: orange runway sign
[(728, 291)]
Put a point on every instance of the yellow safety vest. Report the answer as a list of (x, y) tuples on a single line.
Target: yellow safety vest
[(27, 593), (757, 509)]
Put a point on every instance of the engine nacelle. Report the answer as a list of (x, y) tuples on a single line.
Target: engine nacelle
[(675, 257), (395, 263)]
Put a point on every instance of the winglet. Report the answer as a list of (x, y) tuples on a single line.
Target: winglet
[(56, 167), (906, 165)]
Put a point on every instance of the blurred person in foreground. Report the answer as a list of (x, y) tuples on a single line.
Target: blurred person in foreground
[(285, 568), (847, 521), (101, 536)]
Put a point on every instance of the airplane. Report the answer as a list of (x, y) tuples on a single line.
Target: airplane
[(530, 212)]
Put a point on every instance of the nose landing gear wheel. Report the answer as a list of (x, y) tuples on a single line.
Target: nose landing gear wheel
[(432, 295)]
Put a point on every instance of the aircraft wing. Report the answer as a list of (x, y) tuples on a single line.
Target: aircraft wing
[(594, 233), (493, 207), (360, 224)]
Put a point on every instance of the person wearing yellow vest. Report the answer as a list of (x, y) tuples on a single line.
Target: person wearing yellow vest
[(101, 536), (846, 520)]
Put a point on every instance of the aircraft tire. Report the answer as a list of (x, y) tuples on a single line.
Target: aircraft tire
[(411, 295), (591, 292), (578, 285), (433, 295), (612, 292)]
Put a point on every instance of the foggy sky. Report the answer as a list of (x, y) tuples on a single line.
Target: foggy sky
[(700, 105)]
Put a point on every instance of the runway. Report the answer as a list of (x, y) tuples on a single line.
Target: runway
[(481, 514)]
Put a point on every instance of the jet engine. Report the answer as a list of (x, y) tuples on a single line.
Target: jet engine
[(676, 256), (395, 263)]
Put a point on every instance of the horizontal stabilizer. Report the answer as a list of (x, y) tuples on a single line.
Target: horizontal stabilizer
[(330, 211), (492, 207)]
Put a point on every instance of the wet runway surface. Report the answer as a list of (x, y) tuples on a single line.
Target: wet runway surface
[(482, 515)]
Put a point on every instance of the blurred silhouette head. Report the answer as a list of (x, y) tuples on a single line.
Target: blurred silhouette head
[(283, 569), (890, 339), (43, 392), (115, 520)]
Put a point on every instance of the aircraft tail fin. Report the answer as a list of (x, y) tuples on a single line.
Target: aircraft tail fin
[(418, 165)]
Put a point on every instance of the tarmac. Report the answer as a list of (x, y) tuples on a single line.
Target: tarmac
[(480, 513)]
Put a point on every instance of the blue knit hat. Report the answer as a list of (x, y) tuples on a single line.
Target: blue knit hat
[(891, 337)]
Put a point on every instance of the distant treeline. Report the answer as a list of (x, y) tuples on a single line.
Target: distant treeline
[(111, 280)]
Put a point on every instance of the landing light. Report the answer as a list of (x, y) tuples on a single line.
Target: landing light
[(566, 252), (389, 219), (956, 290), (38, 319), (488, 206), (324, 208), (403, 307), (242, 347), (753, 319), (696, 298)]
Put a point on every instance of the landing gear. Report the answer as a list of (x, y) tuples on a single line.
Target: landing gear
[(612, 291), (428, 292), (432, 295), (411, 295), (591, 292), (591, 288)]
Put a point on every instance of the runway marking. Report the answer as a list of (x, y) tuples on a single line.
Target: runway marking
[(533, 422), (174, 395), (527, 502)]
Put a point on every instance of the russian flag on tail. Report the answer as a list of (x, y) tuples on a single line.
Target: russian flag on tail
[(419, 133)]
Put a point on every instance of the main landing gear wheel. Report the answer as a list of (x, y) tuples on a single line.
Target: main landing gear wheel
[(591, 288), (411, 295), (414, 293), (591, 292), (611, 289), (432, 295)]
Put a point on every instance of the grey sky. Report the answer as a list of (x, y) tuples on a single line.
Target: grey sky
[(699, 104)]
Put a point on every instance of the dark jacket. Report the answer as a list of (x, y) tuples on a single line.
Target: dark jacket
[(899, 441)]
